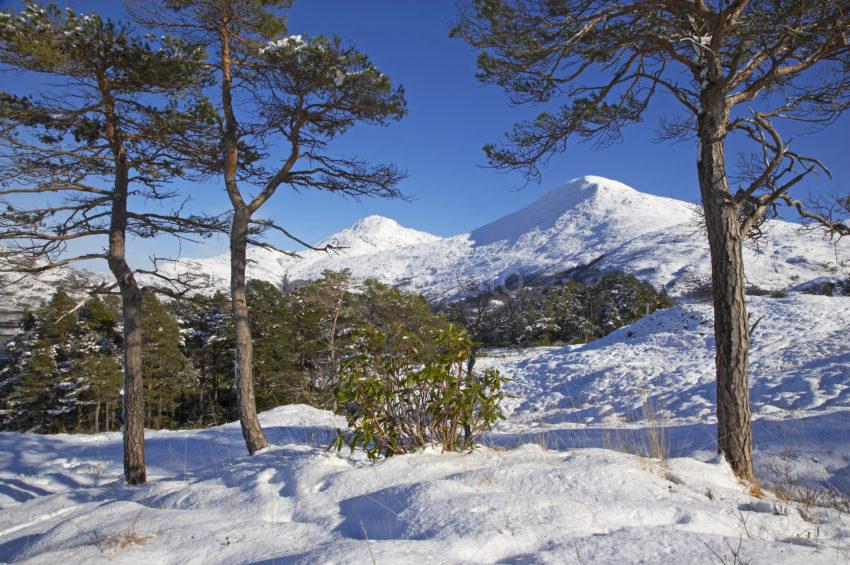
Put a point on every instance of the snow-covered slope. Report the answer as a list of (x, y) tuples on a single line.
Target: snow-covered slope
[(590, 220), (799, 366), (27, 291), (549, 489), (587, 221)]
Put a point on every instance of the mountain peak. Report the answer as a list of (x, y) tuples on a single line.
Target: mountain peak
[(586, 202), (375, 223), (596, 184), (375, 233), (587, 188)]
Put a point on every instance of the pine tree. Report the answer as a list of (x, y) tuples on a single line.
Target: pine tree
[(96, 363), (82, 159), (304, 93), (168, 372), (208, 341), (270, 320), (742, 68), (40, 398)]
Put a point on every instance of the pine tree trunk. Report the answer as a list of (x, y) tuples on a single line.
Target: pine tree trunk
[(246, 403), (134, 398), (131, 298), (97, 418), (251, 430), (108, 418), (734, 432)]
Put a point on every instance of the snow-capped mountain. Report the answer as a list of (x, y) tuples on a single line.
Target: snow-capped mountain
[(371, 236), (589, 221), (27, 291), (590, 224), (374, 234)]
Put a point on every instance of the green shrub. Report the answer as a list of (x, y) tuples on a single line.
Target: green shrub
[(397, 399)]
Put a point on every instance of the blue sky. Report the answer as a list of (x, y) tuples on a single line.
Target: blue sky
[(450, 117)]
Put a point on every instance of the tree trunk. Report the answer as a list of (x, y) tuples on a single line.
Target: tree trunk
[(734, 432), (131, 296), (134, 397), (246, 403), (97, 418), (251, 430), (108, 418)]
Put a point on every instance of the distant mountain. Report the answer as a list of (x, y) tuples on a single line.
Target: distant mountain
[(21, 292), (374, 234), (585, 227)]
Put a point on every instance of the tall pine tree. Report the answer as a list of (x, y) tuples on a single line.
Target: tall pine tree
[(300, 94), (89, 158)]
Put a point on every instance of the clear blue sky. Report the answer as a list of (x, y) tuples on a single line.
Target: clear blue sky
[(450, 117)]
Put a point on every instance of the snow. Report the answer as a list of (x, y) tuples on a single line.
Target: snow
[(799, 367), (587, 220), (545, 488), (294, 41)]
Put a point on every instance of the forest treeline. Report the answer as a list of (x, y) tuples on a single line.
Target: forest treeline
[(63, 373)]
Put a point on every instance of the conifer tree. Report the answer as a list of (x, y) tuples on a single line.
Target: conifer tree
[(101, 372), (298, 93), (96, 361), (82, 160), (208, 342), (735, 68), (168, 372), (40, 399)]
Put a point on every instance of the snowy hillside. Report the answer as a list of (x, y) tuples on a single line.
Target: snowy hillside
[(799, 367), (25, 291), (549, 489), (590, 220)]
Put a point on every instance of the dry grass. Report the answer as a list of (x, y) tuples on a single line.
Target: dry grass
[(812, 503), (734, 557), (788, 488), (124, 538), (650, 444)]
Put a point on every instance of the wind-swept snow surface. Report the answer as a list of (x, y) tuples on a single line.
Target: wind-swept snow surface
[(544, 491)]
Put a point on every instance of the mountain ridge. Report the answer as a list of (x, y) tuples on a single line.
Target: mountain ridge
[(590, 220)]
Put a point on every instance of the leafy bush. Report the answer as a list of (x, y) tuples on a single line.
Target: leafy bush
[(397, 400)]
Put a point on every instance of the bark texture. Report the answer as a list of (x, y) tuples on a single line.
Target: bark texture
[(255, 439), (734, 433), (131, 298), (134, 398)]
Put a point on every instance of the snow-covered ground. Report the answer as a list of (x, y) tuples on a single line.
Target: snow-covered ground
[(546, 488)]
